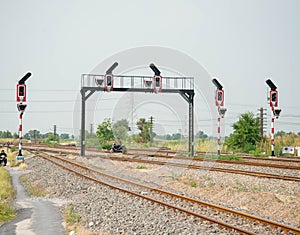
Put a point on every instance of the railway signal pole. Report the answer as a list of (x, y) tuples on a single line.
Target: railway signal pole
[(21, 105), (273, 101), (219, 98)]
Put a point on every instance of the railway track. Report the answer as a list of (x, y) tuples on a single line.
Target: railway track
[(163, 153), (189, 166), (188, 205)]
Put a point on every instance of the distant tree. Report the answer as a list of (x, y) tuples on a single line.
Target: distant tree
[(145, 130), (6, 134), (168, 137), (201, 135), (120, 129), (51, 138), (280, 133), (105, 133), (176, 136), (65, 136), (34, 134), (246, 133), (15, 135), (26, 136), (46, 135)]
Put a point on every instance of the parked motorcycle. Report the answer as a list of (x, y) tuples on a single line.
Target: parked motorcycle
[(116, 148)]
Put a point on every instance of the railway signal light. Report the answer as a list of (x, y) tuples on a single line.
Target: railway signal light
[(222, 111), (21, 97), (99, 81), (157, 78), (276, 112), (109, 78), (21, 93), (148, 83), (273, 98), (219, 98), (157, 81), (108, 82), (21, 107)]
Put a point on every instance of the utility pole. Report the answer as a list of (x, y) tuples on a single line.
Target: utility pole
[(54, 130), (91, 128), (151, 130), (262, 121), (34, 136)]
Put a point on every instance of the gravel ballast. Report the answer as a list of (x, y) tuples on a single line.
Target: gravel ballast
[(109, 211)]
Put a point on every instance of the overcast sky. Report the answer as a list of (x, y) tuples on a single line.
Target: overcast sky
[(241, 42)]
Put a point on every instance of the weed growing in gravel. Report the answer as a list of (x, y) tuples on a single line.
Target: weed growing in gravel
[(175, 177), (193, 184), (32, 188), (71, 217), (255, 188), (141, 167), (240, 186), (221, 157)]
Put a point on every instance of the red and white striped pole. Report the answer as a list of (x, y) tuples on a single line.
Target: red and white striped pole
[(219, 136), (20, 136), (272, 136), (21, 97)]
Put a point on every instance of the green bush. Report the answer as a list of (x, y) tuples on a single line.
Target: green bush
[(105, 146)]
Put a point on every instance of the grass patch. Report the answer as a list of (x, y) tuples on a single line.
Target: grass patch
[(34, 189), (141, 167), (193, 184), (255, 188), (22, 167), (70, 216), (7, 192), (240, 186), (221, 157)]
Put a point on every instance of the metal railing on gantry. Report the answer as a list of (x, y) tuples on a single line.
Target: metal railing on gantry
[(137, 82)]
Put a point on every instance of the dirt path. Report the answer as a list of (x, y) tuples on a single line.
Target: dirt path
[(35, 216)]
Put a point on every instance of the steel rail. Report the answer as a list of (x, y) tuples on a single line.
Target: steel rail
[(212, 220), (217, 169)]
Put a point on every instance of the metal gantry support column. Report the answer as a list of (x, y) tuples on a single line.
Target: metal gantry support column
[(191, 126), (82, 137), (189, 97)]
